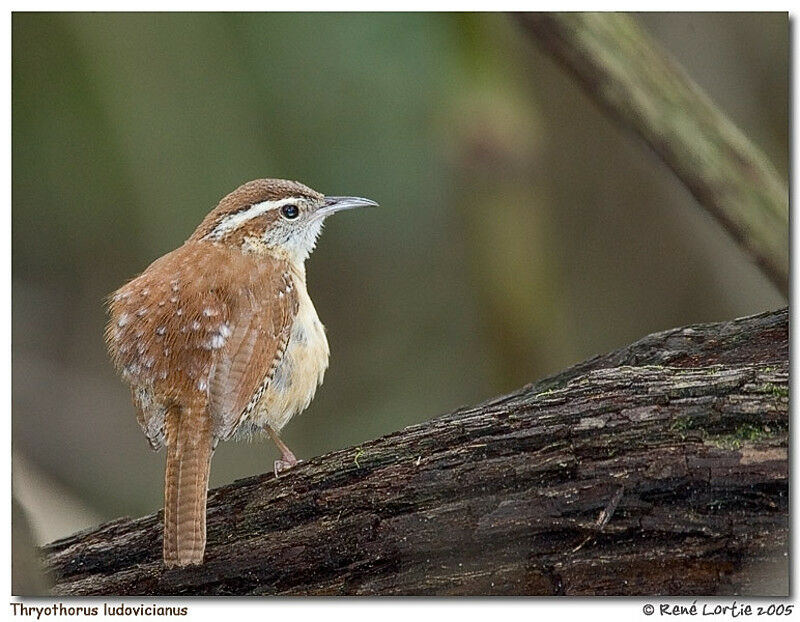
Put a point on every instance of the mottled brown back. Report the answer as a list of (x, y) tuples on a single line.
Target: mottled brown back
[(201, 316), (197, 335)]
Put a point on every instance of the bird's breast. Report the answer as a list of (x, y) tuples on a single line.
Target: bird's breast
[(300, 370)]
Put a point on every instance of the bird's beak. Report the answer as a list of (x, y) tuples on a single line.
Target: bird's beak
[(337, 204)]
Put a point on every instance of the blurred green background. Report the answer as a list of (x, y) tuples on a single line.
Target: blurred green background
[(520, 230)]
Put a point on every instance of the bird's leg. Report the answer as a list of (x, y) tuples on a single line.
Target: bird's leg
[(288, 459)]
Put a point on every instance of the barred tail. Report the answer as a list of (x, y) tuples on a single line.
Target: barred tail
[(189, 450)]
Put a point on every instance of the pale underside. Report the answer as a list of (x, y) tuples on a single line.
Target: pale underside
[(298, 372)]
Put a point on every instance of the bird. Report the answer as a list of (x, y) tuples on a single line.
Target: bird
[(219, 339)]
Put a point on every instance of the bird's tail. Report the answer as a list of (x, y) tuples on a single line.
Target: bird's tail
[(189, 449)]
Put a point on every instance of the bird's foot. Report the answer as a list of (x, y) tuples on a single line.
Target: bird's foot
[(288, 459), (285, 463)]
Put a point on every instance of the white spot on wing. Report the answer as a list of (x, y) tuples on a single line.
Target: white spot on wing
[(215, 342), (131, 370)]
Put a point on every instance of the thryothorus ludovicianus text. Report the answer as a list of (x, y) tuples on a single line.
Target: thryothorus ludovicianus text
[(219, 338)]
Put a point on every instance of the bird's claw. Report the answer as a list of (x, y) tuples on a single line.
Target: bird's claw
[(284, 465)]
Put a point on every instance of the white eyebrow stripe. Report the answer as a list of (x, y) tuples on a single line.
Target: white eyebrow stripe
[(232, 221)]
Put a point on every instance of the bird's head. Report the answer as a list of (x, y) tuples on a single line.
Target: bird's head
[(272, 215)]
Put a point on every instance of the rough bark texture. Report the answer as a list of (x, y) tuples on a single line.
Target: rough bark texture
[(623, 70), (657, 469)]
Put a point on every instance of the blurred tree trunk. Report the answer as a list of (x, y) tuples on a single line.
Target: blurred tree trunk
[(660, 468), (505, 213)]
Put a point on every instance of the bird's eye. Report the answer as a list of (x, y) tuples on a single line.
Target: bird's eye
[(290, 212)]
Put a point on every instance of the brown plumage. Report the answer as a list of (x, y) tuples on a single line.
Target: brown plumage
[(202, 332)]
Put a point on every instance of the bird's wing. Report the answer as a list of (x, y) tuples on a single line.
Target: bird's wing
[(259, 329), (150, 414)]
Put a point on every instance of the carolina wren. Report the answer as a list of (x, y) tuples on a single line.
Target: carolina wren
[(219, 338)]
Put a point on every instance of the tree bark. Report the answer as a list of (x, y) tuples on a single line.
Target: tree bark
[(619, 65), (658, 469)]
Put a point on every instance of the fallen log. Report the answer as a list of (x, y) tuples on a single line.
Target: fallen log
[(657, 469)]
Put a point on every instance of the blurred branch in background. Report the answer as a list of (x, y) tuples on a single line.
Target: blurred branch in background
[(26, 572), (621, 67)]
